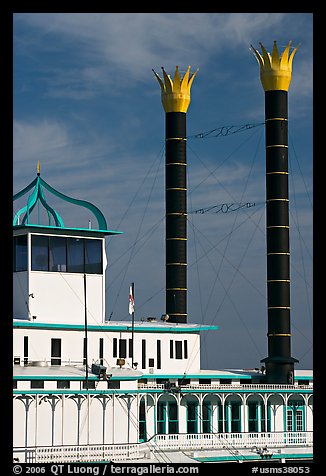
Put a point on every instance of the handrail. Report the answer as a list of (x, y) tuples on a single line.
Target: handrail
[(165, 442)]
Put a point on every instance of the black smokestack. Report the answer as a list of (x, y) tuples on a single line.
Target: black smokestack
[(275, 74), (176, 99)]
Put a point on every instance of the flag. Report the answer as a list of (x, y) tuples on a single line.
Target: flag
[(131, 300)]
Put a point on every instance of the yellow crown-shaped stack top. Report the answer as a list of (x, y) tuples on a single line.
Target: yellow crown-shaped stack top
[(176, 92), (275, 69)]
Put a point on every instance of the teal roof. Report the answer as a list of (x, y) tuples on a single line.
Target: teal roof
[(37, 196)]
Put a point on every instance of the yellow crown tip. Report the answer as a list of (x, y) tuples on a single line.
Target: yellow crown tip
[(275, 69), (176, 92)]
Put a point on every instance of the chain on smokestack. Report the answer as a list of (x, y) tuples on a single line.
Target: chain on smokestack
[(275, 75), (175, 100)]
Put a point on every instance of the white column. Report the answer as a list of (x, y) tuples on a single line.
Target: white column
[(244, 416), (62, 416), (259, 416), (36, 411), (228, 417)]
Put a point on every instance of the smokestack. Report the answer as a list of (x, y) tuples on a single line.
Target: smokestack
[(175, 100), (275, 75)]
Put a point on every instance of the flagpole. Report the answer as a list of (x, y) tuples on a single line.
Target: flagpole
[(132, 323)]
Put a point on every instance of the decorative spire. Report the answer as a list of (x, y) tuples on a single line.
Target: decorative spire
[(275, 69), (176, 93), (37, 195), (38, 168)]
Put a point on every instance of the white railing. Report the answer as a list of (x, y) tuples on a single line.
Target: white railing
[(86, 453), (216, 386), (169, 442), (236, 440)]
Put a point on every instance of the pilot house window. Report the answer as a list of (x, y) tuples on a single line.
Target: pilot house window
[(63, 254), (20, 253)]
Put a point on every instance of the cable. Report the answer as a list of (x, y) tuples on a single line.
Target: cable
[(224, 131)]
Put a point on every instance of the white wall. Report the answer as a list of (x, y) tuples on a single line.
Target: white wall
[(59, 297), (39, 344)]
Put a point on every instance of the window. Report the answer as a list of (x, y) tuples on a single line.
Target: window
[(183, 381), (171, 349), (122, 348), (235, 418), (142, 420), (75, 255), (55, 351), (93, 256), (173, 417), (299, 420), (289, 420), (192, 417), (143, 353), (178, 349), (167, 417), (20, 253), (253, 417), (185, 349), (158, 353), (25, 350), (60, 254), (101, 351), (115, 347), (57, 254), (114, 384), (225, 381), (207, 417), (40, 253), (88, 384), (85, 342), (37, 384), (63, 384)]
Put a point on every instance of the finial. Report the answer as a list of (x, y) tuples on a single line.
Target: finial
[(275, 69), (176, 93), (38, 168)]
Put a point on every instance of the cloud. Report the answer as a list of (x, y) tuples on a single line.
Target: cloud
[(123, 47)]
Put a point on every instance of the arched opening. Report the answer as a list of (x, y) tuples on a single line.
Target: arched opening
[(167, 415), (211, 414), (258, 414), (295, 414), (233, 414)]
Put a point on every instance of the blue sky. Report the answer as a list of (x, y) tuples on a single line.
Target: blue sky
[(87, 105)]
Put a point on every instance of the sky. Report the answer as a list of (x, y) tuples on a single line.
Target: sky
[(87, 105)]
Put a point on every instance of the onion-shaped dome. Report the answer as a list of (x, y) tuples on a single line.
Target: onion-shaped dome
[(23, 216)]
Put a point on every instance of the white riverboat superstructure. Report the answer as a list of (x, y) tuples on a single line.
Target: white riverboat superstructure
[(144, 394), (91, 389)]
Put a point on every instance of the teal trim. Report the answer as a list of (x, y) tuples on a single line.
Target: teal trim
[(196, 376), (278, 457), (86, 231), (57, 377), (109, 328), (37, 195), (151, 391), (305, 377), (47, 377), (75, 392)]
